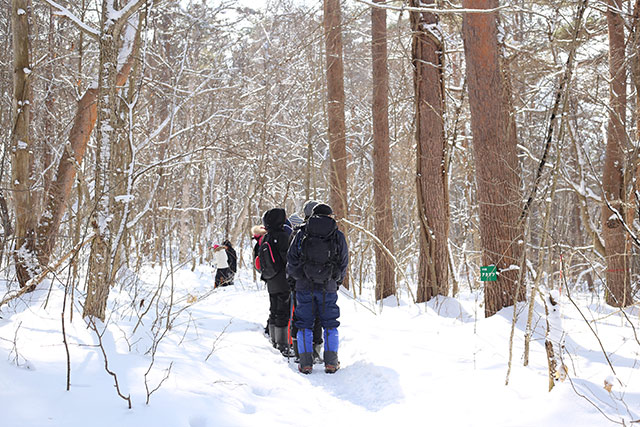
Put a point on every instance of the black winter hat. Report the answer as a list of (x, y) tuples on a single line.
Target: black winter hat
[(308, 208), (322, 209), (274, 219)]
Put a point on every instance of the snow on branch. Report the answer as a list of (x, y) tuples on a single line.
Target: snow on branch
[(128, 41), (127, 10), (370, 3), (63, 11)]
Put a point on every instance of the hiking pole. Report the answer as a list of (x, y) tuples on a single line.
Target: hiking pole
[(292, 297)]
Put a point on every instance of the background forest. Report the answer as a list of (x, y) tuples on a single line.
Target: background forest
[(138, 133), (224, 115)]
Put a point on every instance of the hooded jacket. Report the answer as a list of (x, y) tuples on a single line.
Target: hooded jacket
[(274, 221)]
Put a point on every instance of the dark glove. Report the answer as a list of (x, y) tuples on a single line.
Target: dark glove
[(292, 283)]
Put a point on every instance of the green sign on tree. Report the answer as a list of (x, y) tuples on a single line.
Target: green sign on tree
[(488, 273)]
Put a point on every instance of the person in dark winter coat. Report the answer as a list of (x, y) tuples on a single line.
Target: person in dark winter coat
[(317, 327), (232, 258), (318, 260), (278, 234), (225, 257)]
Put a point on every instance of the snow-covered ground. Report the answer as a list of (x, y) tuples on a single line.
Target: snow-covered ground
[(431, 364)]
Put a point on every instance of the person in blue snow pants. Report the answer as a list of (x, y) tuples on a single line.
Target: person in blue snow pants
[(314, 297)]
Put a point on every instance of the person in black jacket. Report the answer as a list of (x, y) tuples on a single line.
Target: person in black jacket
[(278, 235), (232, 260), (307, 210), (317, 259)]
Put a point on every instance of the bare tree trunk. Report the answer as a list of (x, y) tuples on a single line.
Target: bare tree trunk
[(185, 227), (618, 281), (49, 123), (385, 271), (26, 265), (101, 264), (497, 167), (99, 275), (431, 146), (335, 109)]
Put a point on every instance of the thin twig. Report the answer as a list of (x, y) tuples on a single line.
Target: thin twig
[(93, 326), (564, 280), (213, 348)]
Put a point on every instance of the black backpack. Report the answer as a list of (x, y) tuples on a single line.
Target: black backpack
[(232, 259), (319, 250), (271, 262)]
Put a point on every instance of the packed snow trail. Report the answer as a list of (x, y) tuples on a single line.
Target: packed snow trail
[(408, 365)]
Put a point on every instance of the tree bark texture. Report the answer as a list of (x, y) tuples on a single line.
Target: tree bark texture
[(335, 109), (21, 149), (431, 175), (495, 145), (385, 271), (618, 291), (99, 274)]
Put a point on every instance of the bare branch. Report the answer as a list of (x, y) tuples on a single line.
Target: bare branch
[(63, 11)]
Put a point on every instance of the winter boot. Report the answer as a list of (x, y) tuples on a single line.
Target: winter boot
[(281, 341), (331, 363), (272, 334), (305, 350), (317, 354), (306, 363)]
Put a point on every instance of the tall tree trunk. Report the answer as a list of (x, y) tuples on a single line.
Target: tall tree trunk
[(431, 175), (618, 272), (495, 152), (21, 157), (124, 160), (99, 275), (335, 109), (49, 123), (385, 271)]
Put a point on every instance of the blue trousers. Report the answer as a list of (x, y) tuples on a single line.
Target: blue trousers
[(324, 305)]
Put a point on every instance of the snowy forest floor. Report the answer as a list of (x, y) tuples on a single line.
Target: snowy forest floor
[(427, 364)]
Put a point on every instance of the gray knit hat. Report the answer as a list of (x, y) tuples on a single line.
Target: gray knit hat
[(308, 208)]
